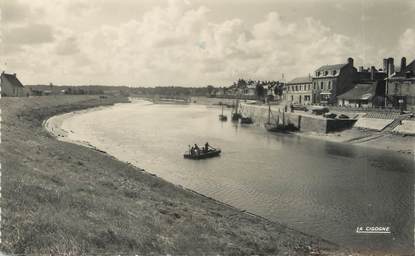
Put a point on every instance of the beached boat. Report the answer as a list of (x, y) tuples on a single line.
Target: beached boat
[(212, 152)]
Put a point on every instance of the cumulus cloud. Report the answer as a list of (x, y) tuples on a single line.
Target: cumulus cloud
[(67, 46), (13, 11), (179, 44), (407, 43), (174, 44), (28, 34)]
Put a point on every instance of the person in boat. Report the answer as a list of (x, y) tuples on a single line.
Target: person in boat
[(206, 149), (197, 149)]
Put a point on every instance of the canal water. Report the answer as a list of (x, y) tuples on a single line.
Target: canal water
[(318, 187)]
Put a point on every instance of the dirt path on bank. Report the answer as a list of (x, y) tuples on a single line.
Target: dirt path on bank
[(58, 197)]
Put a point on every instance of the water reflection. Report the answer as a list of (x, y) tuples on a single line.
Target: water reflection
[(344, 151)]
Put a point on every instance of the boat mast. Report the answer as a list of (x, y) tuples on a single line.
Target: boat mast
[(283, 120)]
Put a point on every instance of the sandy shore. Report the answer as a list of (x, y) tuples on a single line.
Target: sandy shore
[(59, 197), (370, 139)]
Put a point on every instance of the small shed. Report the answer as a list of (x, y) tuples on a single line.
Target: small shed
[(361, 95)]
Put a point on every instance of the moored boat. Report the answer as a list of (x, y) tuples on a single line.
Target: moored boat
[(276, 126), (223, 117), (235, 113), (246, 120)]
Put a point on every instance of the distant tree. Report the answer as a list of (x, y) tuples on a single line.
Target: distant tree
[(278, 88), (210, 89), (242, 83), (260, 91)]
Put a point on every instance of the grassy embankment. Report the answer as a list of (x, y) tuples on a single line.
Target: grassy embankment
[(59, 197)]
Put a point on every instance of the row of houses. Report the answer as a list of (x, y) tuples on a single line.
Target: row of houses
[(251, 90), (345, 85)]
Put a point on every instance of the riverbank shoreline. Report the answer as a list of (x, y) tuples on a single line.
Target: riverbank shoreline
[(60, 197), (403, 144)]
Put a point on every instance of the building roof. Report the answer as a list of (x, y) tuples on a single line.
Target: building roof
[(410, 66), (411, 63), (361, 91), (331, 67), (300, 80), (12, 79)]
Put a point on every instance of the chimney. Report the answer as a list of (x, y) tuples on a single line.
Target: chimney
[(391, 67), (385, 66), (361, 69), (403, 64), (372, 73), (350, 61)]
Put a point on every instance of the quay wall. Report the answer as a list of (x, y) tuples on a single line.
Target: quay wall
[(310, 124), (303, 122)]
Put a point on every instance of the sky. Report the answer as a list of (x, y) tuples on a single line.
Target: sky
[(196, 42)]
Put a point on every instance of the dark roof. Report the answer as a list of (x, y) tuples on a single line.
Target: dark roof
[(331, 67), (12, 79), (411, 66), (366, 75), (361, 91), (300, 80)]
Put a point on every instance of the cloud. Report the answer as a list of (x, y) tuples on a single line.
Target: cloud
[(174, 44), (407, 43), (68, 46), (28, 34), (13, 11)]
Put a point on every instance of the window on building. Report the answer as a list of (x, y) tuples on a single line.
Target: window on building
[(315, 85), (329, 85), (321, 86), (334, 72), (326, 73)]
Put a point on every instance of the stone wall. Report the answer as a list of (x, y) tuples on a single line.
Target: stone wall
[(311, 124), (304, 122)]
